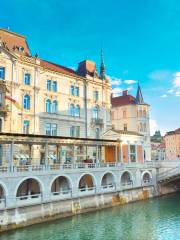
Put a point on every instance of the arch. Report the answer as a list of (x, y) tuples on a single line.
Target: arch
[(3, 191), (26, 102), (126, 178), (29, 186), (54, 106), (108, 179), (48, 105), (146, 177), (60, 184), (86, 181)]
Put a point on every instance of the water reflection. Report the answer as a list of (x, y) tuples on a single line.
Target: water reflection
[(155, 219)]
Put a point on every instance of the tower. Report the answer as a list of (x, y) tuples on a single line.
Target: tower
[(102, 67)]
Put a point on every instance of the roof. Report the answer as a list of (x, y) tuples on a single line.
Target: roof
[(122, 100), (124, 132), (139, 96), (12, 41), (177, 131), (58, 68)]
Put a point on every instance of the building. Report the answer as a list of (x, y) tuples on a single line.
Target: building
[(158, 152), (172, 143), (41, 97), (132, 114)]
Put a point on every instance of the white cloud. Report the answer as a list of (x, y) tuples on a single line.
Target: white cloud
[(117, 91), (176, 80), (130, 81), (178, 94), (170, 91), (130, 88), (115, 81), (164, 96), (153, 126), (160, 75)]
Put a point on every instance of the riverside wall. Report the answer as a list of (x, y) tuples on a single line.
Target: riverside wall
[(28, 215)]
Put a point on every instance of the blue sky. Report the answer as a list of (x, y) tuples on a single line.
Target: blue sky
[(140, 38)]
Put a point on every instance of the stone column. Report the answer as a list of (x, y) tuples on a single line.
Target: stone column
[(97, 154), (136, 146), (121, 148), (129, 160), (116, 154), (11, 156), (46, 155)]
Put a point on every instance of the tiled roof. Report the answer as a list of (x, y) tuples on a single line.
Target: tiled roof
[(177, 131), (13, 41), (58, 68), (122, 100)]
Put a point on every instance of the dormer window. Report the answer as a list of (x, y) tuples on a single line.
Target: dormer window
[(2, 73), (20, 48)]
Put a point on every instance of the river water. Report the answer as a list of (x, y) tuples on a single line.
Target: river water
[(154, 219)]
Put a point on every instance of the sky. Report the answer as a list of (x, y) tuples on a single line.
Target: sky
[(140, 40)]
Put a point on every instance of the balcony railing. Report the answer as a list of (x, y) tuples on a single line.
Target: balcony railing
[(70, 166), (97, 121)]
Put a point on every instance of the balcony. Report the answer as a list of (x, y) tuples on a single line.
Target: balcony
[(97, 121)]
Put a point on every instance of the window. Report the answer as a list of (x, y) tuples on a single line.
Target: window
[(26, 126), (95, 112), (1, 97), (27, 78), (48, 105), (48, 129), (27, 102), (75, 131), (72, 90), (77, 111), (77, 91), (144, 127), (2, 72), (48, 85), (54, 129), (125, 127), (51, 129), (96, 95), (124, 113), (132, 153), (97, 133), (72, 131), (72, 110), (54, 106), (54, 86)]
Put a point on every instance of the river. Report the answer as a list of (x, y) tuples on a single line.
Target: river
[(154, 219)]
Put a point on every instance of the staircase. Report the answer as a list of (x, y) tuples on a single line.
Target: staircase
[(169, 175)]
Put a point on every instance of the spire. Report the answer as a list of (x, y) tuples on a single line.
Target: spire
[(139, 96), (102, 67)]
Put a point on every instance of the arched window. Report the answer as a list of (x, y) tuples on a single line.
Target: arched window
[(54, 106), (26, 101), (77, 111), (95, 112), (72, 109), (48, 105)]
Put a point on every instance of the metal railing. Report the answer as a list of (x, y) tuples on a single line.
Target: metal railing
[(68, 166)]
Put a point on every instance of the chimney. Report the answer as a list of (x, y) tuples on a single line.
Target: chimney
[(125, 93)]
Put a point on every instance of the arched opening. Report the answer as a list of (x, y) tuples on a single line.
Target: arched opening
[(29, 189), (2, 197), (108, 181), (61, 186), (86, 183), (126, 179), (146, 178)]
